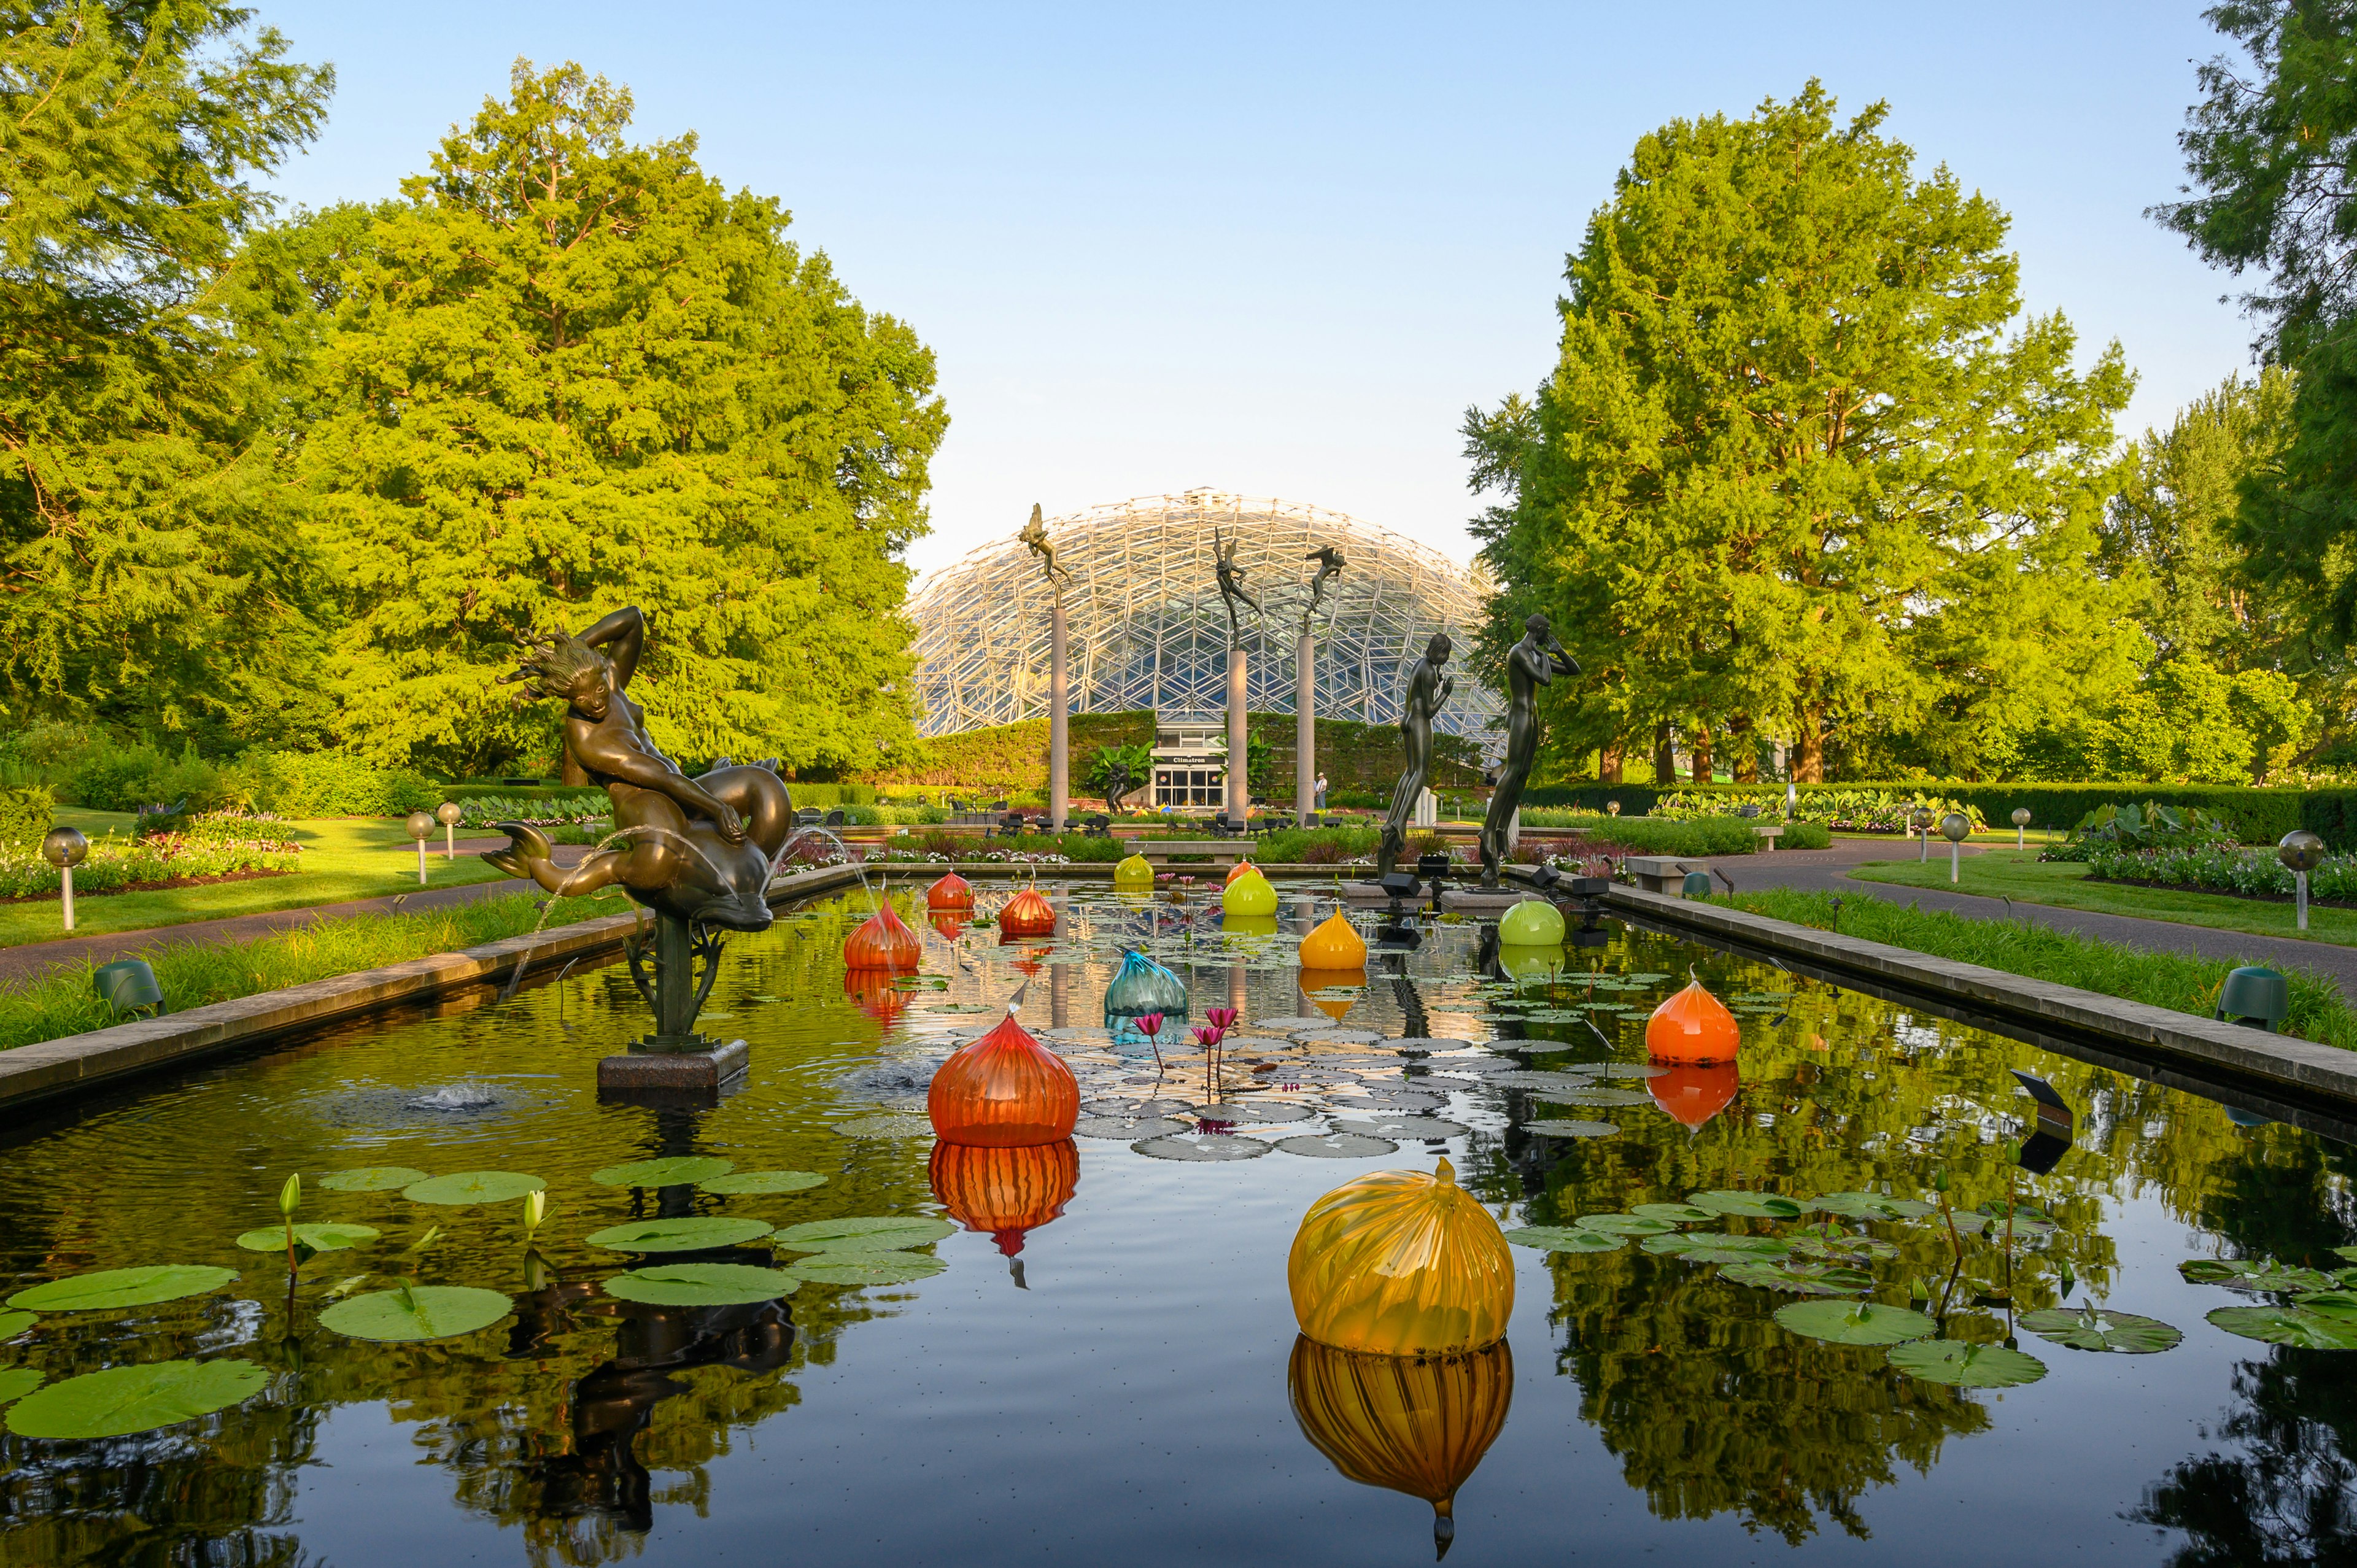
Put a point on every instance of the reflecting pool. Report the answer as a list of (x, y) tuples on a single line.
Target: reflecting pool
[(1100, 1362)]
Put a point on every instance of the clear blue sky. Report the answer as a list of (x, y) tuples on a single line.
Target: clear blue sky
[(1278, 248)]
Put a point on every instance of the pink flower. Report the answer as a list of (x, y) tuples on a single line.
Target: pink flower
[(1209, 1038), (1150, 1025), (1221, 1019)]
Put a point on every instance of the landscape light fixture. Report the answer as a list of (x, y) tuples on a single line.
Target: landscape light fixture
[(2021, 825), (447, 813), (1919, 822), (421, 828), (1955, 827), (65, 848), (2301, 853)]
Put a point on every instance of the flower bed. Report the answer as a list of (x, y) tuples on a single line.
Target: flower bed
[(1842, 811), (160, 860), (2224, 868)]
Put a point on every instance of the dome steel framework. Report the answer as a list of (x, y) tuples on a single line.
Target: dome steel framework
[(1147, 629)]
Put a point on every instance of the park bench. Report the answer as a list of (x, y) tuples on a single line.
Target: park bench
[(1657, 874), (1224, 851)]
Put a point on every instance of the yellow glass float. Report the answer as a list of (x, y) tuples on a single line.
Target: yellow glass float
[(1247, 925), (1532, 923), (1134, 874), (1335, 944), (1253, 895), (1414, 1424), (1313, 981), (1400, 1264)]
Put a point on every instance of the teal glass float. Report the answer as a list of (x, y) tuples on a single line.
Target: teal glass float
[(1139, 987), (1533, 923)]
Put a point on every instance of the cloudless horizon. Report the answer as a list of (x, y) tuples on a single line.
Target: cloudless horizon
[(1280, 250)]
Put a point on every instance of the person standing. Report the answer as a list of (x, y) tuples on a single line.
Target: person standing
[(1321, 791)]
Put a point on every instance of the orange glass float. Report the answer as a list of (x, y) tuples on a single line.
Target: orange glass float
[(1005, 1192), (1692, 1026), (1003, 1091), (1400, 1264), (1694, 1093), (1414, 1424), (872, 991), (1313, 981), (1241, 868), (1335, 944), (883, 941), (952, 892), (1027, 914)]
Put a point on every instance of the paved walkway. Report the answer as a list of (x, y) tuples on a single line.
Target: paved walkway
[(1829, 870)]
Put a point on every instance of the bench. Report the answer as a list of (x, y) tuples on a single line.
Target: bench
[(1657, 874), (1769, 833), (1225, 852)]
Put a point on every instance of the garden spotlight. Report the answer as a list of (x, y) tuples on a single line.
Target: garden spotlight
[(65, 848), (421, 828), (1955, 827), (2021, 822), (2301, 853), (447, 813)]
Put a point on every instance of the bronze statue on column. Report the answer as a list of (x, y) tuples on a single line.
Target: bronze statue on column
[(1531, 663), (1428, 693)]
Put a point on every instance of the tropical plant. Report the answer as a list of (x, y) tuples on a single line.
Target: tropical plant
[(2112, 828)]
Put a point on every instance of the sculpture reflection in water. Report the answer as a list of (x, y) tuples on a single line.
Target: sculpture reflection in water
[(1413, 1425), (1005, 1193)]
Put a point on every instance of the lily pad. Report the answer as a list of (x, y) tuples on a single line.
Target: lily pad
[(2028, 1221), (122, 1400), (16, 1382), (1854, 1322), (1752, 1205), (14, 1323), (2288, 1326), (2092, 1328), (110, 1288), (1801, 1277), (1337, 1145), (1966, 1366), (703, 1285), (319, 1238), (1546, 1085), (1274, 1110), (1560, 1128), (1126, 1128), (1594, 1097), (764, 1183), (1203, 1151), (867, 1268), (1165, 1107), (473, 1186), (1400, 1126), (1624, 1224), (882, 1234), (677, 1171), (1675, 1213), (2330, 1303), (416, 1312), (1870, 1205), (886, 1127), (1631, 1070), (1565, 1239), (2254, 1273), (370, 1178), (690, 1235), (1707, 1247), (1830, 1241)]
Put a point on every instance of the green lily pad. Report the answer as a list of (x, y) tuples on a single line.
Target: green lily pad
[(1830, 1241), (122, 1400), (1803, 1278), (370, 1178), (2254, 1274), (1868, 1206), (1624, 1224), (703, 1285), (1565, 1239), (1751, 1204), (473, 1186), (887, 1234), (1555, 1127), (764, 1183), (1716, 1247), (16, 1382), (416, 1312), (1673, 1244), (689, 1235), (2028, 1220), (110, 1288), (2288, 1326), (1854, 1322), (1675, 1213), (1966, 1366), (319, 1238), (681, 1171), (2330, 1303), (14, 1323), (867, 1268), (2092, 1328)]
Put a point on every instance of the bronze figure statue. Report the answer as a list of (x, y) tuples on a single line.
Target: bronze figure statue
[(1035, 537), (1531, 663), (1232, 584), (1330, 563), (1119, 782), (1428, 693)]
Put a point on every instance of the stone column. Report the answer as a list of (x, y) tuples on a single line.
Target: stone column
[(1305, 728), (1239, 786), (1059, 749)]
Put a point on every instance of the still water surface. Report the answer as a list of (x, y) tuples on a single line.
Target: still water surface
[(1125, 1383)]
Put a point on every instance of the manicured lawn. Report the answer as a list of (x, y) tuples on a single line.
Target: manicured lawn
[(343, 858), (2019, 874)]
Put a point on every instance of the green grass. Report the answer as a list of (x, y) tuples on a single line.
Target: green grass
[(2020, 875), (343, 858), (2179, 980), (62, 1002)]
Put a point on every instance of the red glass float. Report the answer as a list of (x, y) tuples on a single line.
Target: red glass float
[(1692, 1026), (1694, 1093), (952, 892), (1028, 915), (883, 941), (1005, 1192), (1003, 1091), (872, 991)]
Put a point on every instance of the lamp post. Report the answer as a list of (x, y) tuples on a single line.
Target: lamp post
[(1955, 827), (447, 813), (65, 848), (421, 828), (2301, 853), (1920, 819), (2020, 826)]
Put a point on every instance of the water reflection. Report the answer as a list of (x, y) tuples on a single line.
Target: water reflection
[(1005, 1193), (1413, 1424)]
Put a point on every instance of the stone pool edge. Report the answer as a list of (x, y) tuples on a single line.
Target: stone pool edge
[(2183, 1037)]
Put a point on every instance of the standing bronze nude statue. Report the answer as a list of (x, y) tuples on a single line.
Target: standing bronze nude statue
[(1035, 537), (1428, 693), (1330, 563), (1231, 585), (1531, 663)]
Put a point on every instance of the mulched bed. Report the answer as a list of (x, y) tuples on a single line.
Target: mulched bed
[(83, 895)]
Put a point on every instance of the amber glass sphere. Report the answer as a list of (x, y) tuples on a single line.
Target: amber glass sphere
[(1004, 1090), (1414, 1424), (1692, 1026), (1005, 1192), (1400, 1264)]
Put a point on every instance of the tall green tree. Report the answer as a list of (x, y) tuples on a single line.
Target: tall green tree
[(570, 373), (1801, 468), (151, 568)]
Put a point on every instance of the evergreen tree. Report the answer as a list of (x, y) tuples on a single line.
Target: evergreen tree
[(151, 569), (570, 373), (1798, 473)]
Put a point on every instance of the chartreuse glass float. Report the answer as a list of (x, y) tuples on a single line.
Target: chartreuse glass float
[(1692, 1026), (1334, 943), (1533, 922), (1418, 1424), (1004, 1090), (1134, 874), (1400, 1264), (1252, 895)]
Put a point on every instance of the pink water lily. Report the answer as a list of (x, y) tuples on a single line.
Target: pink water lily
[(1221, 1019)]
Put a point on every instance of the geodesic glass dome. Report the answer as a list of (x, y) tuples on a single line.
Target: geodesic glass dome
[(1147, 629)]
